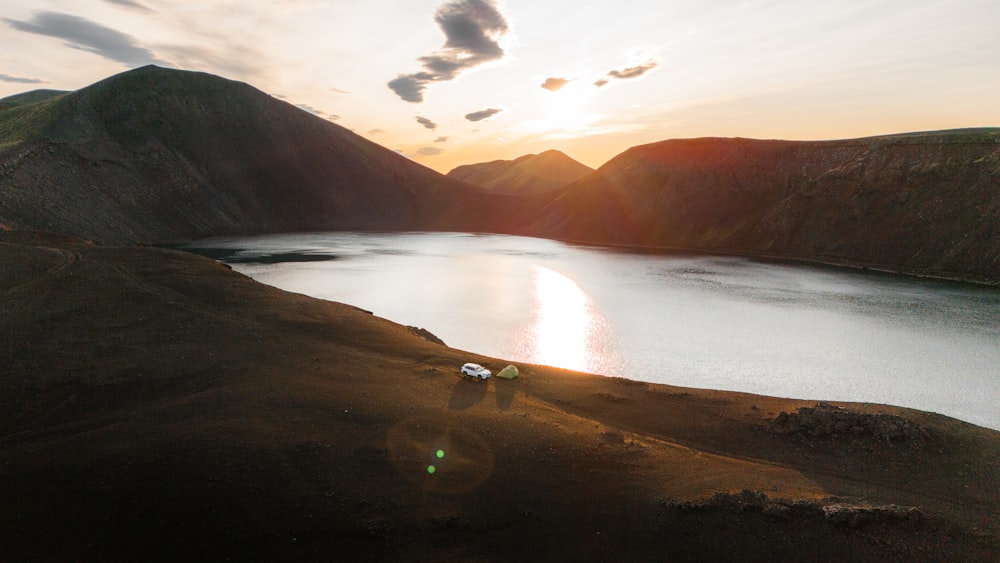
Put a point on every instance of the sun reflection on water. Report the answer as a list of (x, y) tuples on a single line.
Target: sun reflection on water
[(565, 324)]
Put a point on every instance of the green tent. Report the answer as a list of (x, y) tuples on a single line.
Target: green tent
[(509, 372)]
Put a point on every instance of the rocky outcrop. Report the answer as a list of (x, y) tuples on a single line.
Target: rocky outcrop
[(825, 421), (922, 203), (529, 174)]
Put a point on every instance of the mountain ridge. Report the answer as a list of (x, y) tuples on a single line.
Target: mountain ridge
[(925, 203), (527, 174), (154, 155)]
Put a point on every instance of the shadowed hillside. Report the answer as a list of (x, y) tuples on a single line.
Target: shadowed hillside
[(533, 173), (156, 155), (31, 97), (156, 406), (925, 203)]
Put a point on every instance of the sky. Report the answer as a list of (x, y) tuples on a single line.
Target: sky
[(451, 82)]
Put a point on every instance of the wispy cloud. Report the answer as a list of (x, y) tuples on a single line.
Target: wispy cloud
[(429, 151), (130, 4), (85, 35), (21, 79), (374, 132), (472, 29), (339, 91), (626, 73), (238, 60), (482, 114), (318, 112), (555, 84), (441, 140), (427, 123)]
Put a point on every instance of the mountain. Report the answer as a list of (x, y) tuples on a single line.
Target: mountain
[(155, 155), (533, 173), (31, 97), (922, 203)]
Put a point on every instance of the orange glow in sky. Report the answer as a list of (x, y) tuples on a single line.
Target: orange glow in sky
[(450, 82)]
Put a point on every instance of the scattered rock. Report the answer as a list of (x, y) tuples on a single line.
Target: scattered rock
[(825, 420), (835, 511), (854, 516), (426, 335)]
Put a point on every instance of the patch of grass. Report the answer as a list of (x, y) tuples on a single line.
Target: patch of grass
[(31, 97), (22, 122)]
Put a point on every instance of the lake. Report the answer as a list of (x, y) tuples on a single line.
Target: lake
[(785, 330)]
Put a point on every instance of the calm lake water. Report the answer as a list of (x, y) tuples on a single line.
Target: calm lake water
[(711, 322)]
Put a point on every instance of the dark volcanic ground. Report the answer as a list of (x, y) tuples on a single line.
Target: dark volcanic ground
[(157, 406)]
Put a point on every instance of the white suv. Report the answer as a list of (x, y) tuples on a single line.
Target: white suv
[(475, 370)]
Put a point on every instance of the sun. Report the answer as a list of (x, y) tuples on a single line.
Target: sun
[(568, 110)]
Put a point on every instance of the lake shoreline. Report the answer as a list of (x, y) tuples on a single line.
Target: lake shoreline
[(717, 321), (159, 406)]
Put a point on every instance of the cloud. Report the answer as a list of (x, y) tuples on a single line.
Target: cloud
[(427, 123), (85, 35), (632, 71), (129, 4), (441, 140), (472, 29), (339, 91), (238, 60), (429, 151), (374, 132), (21, 79), (554, 84), (626, 73), (318, 112), (482, 114)]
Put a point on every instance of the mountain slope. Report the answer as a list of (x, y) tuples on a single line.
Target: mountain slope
[(925, 203), (31, 97), (529, 174), (156, 155)]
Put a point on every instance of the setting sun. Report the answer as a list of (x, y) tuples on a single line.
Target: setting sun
[(566, 112), (453, 82)]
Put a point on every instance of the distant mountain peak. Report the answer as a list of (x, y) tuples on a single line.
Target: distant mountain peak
[(157, 154), (528, 174)]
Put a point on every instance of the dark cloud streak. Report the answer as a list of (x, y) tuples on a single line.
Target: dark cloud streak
[(633, 71), (129, 4), (427, 123), (21, 80), (85, 35), (482, 114), (626, 73), (472, 30)]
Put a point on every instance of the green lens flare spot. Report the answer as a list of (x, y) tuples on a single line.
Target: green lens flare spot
[(440, 454), (431, 469)]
